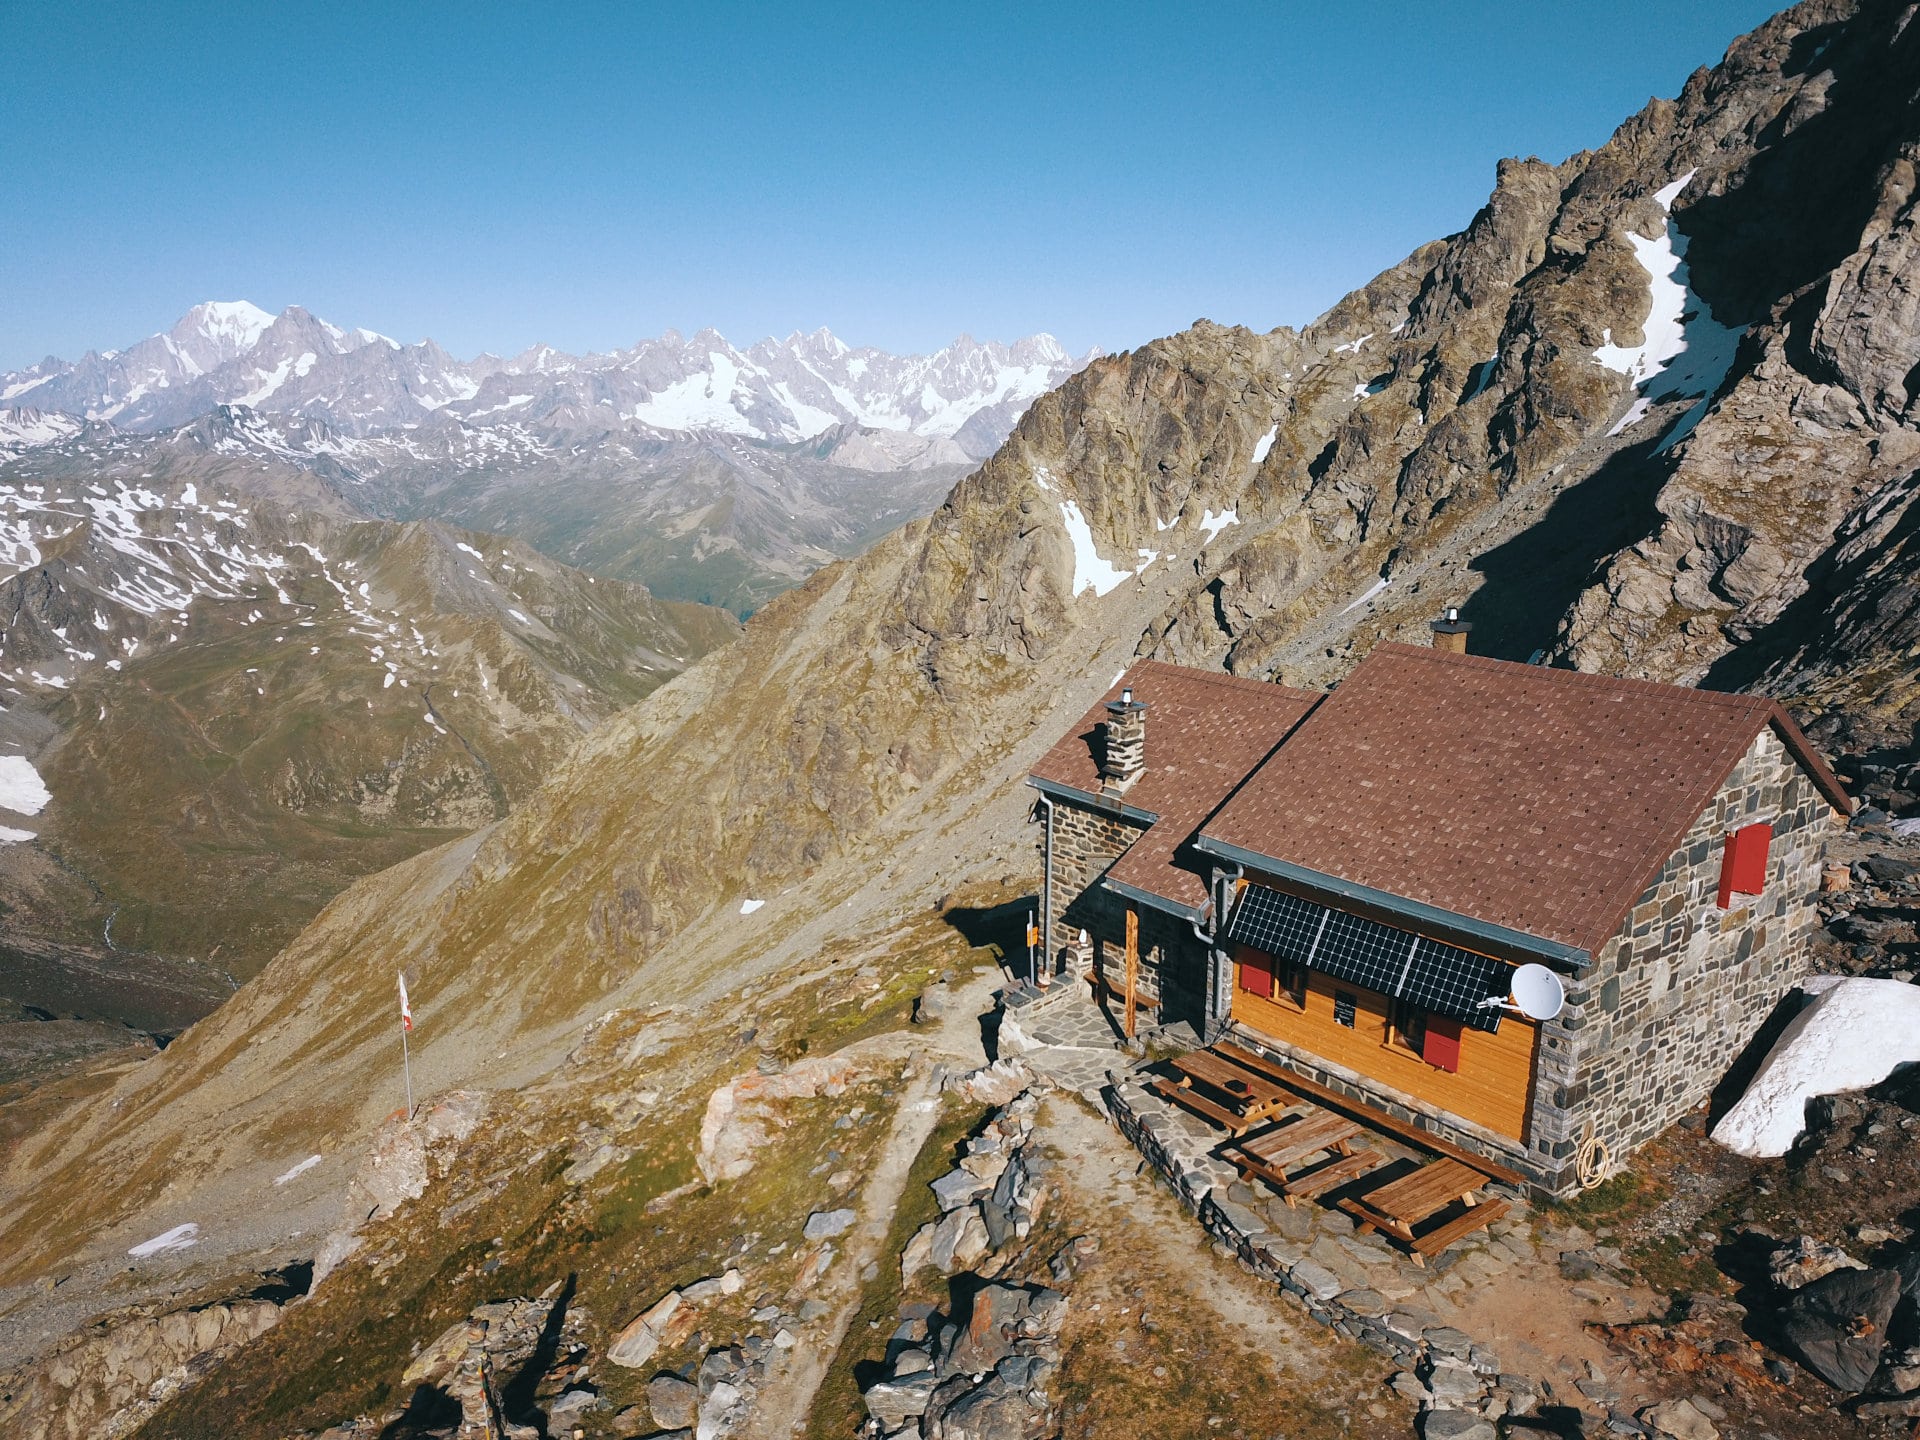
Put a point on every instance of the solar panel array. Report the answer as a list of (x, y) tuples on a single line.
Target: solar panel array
[(1425, 972)]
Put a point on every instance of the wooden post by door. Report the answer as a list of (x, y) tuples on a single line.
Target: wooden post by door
[(1133, 965)]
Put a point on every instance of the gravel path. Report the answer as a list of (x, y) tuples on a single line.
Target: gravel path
[(787, 1400)]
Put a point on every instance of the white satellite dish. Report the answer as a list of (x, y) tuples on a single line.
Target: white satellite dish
[(1537, 992)]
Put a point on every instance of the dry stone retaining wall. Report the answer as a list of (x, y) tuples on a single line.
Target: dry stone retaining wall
[(1201, 1181)]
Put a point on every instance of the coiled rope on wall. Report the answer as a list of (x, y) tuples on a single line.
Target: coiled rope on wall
[(1592, 1161)]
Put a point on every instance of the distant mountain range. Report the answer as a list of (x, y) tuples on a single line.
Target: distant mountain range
[(361, 383), (702, 471)]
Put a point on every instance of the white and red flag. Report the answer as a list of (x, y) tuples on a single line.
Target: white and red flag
[(406, 1010)]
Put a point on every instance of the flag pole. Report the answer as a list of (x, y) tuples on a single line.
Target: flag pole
[(406, 1058)]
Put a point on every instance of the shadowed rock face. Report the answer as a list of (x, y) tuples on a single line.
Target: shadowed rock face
[(1215, 498)]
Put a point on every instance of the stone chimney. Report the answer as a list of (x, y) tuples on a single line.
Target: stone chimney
[(1125, 754), (1450, 632)]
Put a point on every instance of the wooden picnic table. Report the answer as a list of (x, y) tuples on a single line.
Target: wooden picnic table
[(1270, 1157), (1399, 1205), (1294, 1141), (1250, 1096)]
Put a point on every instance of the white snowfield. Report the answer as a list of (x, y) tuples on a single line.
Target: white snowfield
[(180, 1237), (1854, 1034), (1684, 350), (1091, 570), (21, 788)]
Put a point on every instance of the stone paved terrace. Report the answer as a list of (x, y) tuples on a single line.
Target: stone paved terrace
[(1492, 1325), (1062, 1034)]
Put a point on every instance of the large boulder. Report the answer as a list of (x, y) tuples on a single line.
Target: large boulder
[(643, 1335), (1838, 1324), (1805, 1260), (825, 1224), (743, 1113), (993, 1410), (1679, 1420), (405, 1157), (894, 1402), (672, 1401), (959, 1239)]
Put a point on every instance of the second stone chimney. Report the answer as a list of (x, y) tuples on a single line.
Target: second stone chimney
[(1124, 756), (1450, 632)]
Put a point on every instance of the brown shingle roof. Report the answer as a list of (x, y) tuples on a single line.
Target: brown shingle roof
[(1205, 733), (1542, 801)]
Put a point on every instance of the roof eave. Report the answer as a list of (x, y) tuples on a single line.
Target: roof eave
[(1155, 902), (1442, 923), (1111, 804), (1818, 771)]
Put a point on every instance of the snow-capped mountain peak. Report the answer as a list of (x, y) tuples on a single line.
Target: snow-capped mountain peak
[(237, 323), (361, 383)]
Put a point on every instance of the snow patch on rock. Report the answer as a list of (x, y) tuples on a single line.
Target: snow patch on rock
[(21, 788), (1684, 350), (1854, 1034), (180, 1237)]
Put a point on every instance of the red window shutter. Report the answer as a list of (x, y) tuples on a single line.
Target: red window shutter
[(1256, 972), (1743, 864), (1441, 1048)]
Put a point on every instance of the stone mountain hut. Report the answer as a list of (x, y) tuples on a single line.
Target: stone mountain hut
[(1346, 883)]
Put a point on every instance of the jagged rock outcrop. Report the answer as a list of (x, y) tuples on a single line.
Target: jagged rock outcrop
[(104, 1382), (407, 1155)]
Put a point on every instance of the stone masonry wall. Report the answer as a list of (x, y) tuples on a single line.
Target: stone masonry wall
[(1201, 1179), (1085, 843), (1173, 973), (1674, 998)]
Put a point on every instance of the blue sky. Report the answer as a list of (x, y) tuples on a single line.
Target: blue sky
[(589, 174)]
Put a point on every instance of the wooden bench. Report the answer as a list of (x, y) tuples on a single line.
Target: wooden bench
[(1199, 1104), (1104, 989), (1397, 1207), (1476, 1216), (1239, 1089), (1333, 1174)]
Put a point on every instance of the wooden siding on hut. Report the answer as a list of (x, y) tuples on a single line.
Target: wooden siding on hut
[(1492, 1087)]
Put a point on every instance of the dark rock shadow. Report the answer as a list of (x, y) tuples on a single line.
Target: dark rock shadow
[(1000, 928), (289, 1282), (429, 1409), (1533, 579), (516, 1397), (1561, 1420)]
